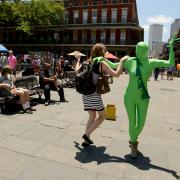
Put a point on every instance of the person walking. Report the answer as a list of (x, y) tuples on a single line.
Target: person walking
[(156, 73), (170, 73), (93, 103), (12, 61)]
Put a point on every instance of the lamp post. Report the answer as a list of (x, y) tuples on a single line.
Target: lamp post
[(56, 38)]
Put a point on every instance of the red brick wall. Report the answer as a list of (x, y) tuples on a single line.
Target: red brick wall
[(88, 36), (79, 36), (117, 36), (98, 34), (107, 36)]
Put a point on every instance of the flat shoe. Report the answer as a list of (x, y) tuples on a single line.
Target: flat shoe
[(87, 139)]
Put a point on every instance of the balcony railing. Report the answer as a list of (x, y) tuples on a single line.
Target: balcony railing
[(68, 41), (102, 21), (94, 3)]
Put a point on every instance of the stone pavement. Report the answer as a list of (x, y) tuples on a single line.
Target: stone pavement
[(46, 145)]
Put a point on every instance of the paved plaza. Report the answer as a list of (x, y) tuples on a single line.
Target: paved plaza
[(47, 144)]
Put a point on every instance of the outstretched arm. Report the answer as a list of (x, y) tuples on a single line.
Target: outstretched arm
[(115, 73), (170, 61), (111, 64)]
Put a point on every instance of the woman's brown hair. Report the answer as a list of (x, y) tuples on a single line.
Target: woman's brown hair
[(98, 50)]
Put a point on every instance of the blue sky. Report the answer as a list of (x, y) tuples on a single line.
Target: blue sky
[(158, 11)]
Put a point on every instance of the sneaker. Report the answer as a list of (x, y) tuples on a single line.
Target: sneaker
[(21, 111), (32, 109), (28, 111)]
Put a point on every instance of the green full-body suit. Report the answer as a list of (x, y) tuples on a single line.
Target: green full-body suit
[(136, 98)]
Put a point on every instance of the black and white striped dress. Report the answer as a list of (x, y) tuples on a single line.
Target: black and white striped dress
[(93, 101)]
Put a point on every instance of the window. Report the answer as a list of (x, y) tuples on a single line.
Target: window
[(65, 4), (125, 1), (66, 14), (123, 37), (124, 14), (104, 2), (94, 16), (93, 36), (104, 16), (85, 17), (76, 16), (76, 4), (114, 15), (114, 2), (75, 36), (95, 3), (103, 36), (112, 38), (86, 3)]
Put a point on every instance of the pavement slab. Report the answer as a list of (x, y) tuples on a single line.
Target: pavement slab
[(46, 145)]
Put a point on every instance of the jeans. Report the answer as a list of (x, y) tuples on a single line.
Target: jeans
[(50, 86)]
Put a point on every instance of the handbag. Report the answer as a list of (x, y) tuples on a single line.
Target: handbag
[(103, 83), (110, 112)]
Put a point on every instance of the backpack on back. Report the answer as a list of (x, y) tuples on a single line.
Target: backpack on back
[(84, 82)]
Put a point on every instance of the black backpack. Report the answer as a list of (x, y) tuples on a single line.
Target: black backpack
[(84, 83)]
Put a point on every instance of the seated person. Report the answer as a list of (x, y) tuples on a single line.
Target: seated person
[(48, 82), (7, 83)]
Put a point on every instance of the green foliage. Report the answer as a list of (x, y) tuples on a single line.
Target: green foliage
[(25, 15)]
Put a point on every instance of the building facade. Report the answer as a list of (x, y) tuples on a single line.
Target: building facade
[(112, 22), (175, 27), (155, 40)]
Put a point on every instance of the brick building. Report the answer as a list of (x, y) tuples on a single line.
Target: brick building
[(112, 22)]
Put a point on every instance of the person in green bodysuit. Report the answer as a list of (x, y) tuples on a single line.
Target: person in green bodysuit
[(136, 97)]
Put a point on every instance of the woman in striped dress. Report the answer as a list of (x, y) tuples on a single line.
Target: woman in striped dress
[(93, 103)]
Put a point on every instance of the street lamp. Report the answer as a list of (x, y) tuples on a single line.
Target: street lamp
[(56, 38)]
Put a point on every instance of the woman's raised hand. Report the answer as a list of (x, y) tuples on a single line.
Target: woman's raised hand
[(171, 44)]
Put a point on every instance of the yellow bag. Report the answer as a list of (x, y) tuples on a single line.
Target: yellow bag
[(110, 112)]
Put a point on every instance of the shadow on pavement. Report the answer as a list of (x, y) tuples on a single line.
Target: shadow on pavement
[(15, 108), (97, 154)]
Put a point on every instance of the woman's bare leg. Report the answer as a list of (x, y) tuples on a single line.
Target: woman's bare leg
[(96, 123)]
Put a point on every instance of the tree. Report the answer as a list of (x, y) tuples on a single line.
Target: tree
[(24, 15)]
